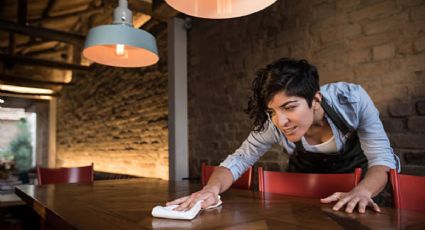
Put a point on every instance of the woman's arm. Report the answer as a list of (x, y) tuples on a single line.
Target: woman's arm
[(220, 180), (376, 147), (231, 169)]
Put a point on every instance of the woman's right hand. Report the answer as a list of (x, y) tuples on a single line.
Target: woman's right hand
[(209, 194), (221, 179)]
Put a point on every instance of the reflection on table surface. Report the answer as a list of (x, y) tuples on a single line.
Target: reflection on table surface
[(127, 204)]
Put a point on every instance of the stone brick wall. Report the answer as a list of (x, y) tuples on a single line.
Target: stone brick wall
[(379, 44), (117, 118)]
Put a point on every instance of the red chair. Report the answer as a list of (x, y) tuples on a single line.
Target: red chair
[(244, 182), (408, 191), (65, 175), (307, 184)]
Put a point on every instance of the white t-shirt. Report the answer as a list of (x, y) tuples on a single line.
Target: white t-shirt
[(328, 146)]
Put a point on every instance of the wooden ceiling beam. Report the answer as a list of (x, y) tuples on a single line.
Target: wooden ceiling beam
[(44, 33), (142, 6), (49, 7), (26, 95), (163, 11), (14, 59), (22, 12), (24, 80), (80, 14)]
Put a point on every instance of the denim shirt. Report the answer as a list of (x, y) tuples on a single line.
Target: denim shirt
[(353, 104)]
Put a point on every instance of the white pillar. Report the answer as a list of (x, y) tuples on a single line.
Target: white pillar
[(177, 100)]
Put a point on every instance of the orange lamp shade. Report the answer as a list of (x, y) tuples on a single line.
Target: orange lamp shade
[(219, 9), (120, 45)]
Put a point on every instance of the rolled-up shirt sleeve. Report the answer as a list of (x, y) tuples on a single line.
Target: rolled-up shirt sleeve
[(250, 151), (373, 139)]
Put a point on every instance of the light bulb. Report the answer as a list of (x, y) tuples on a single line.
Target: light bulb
[(224, 7), (120, 50)]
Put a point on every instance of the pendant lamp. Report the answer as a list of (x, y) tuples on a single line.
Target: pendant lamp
[(120, 44), (219, 9)]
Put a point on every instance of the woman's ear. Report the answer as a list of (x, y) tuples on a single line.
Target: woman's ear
[(317, 99)]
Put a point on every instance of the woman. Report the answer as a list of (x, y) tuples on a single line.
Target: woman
[(330, 129)]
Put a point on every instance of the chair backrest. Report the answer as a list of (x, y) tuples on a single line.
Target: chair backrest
[(307, 184), (408, 191), (244, 182), (82, 174)]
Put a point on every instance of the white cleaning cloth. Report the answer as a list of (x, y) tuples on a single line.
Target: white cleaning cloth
[(168, 212)]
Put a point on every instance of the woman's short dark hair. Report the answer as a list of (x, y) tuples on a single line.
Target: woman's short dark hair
[(294, 77)]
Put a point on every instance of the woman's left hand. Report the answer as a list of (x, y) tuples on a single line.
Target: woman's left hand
[(357, 197)]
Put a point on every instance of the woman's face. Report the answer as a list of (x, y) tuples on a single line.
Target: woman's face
[(291, 114)]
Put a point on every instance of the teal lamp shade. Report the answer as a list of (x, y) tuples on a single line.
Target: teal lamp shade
[(120, 45)]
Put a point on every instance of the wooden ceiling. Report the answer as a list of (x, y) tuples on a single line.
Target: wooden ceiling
[(41, 40)]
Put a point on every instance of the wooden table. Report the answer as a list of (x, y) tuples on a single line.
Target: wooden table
[(127, 204)]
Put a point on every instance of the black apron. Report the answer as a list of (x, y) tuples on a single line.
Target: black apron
[(344, 161)]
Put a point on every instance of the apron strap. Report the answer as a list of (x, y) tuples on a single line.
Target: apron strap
[(350, 157), (339, 122)]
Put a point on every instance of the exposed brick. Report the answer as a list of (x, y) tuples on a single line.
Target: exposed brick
[(418, 13), (383, 52), (417, 90), (334, 49), (370, 83), (358, 56), (382, 108), (347, 5), (270, 155), (292, 35), (400, 109), (369, 42), (420, 107), (416, 124), (393, 125), (374, 11), (411, 156), (413, 170), (410, 2), (299, 50), (375, 68), (394, 22), (411, 141), (413, 29), (419, 44), (335, 19), (361, 42), (269, 166), (414, 63), (395, 77), (117, 119), (332, 75), (331, 34), (324, 10), (417, 77), (352, 30), (282, 51), (405, 47)]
